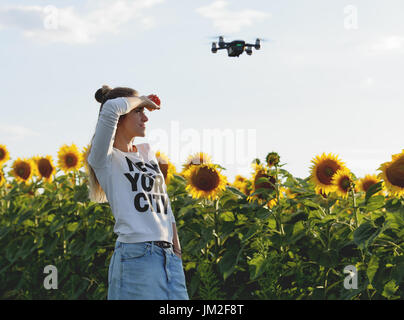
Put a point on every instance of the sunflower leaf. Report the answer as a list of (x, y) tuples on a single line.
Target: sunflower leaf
[(236, 191), (375, 188)]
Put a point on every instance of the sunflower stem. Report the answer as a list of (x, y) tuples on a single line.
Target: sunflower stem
[(278, 213), (354, 204), (216, 229)]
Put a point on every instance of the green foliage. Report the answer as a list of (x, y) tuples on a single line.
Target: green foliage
[(232, 248)]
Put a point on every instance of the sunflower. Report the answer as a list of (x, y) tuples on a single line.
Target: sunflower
[(2, 177), (242, 184), (392, 174), (44, 168), (323, 169), (23, 169), (166, 167), (271, 203), (366, 182), (272, 159), (69, 158), (4, 154), (261, 172), (84, 154), (205, 181), (196, 159), (342, 179), (290, 194)]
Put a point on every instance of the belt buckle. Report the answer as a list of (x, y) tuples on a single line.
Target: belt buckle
[(163, 244)]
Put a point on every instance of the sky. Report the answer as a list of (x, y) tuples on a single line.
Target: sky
[(327, 79)]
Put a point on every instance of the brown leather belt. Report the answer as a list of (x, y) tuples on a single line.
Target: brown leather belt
[(161, 244)]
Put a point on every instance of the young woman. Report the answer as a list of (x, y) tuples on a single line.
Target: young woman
[(146, 263)]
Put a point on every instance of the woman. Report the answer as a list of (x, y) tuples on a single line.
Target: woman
[(146, 263)]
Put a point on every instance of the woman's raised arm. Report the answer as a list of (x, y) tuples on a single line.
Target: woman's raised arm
[(101, 147)]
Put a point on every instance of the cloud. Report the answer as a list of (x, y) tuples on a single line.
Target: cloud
[(68, 25), (16, 132), (227, 21)]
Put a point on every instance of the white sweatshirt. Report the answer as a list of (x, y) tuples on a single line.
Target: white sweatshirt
[(132, 181)]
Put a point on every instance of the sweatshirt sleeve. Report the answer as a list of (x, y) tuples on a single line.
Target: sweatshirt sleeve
[(101, 147)]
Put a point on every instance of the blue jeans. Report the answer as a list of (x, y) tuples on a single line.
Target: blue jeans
[(144, 271)]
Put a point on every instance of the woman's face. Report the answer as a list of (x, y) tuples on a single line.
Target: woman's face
[(133, 123)]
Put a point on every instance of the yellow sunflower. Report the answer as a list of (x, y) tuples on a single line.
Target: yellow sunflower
[(367, 181), (241, 183), (342, 179), (205, 181), (4, 154), (290, 194), (69, 158), (392, 173), (261, 172), (2, 177), (166, 167), (44, 168), (23, 169), (196, 159), (271, 203), (84, 154), (323, 169)]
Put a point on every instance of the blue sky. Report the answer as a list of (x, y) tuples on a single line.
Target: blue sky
[(329, 78)]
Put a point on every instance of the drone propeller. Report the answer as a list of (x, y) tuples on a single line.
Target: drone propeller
[(217, 37), (265, 40)]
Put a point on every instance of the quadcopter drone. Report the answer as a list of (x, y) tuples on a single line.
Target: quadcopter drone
[(236, 47)]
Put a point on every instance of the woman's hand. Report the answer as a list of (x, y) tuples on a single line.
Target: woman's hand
[(177, 252), (149, 104), (142, 101)]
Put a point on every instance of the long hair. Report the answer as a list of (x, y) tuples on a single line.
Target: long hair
[(96, 193)]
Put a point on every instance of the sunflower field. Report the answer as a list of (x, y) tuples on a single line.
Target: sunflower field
[(267, 236)]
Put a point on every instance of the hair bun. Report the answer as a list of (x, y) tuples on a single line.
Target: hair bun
[(101, 93)]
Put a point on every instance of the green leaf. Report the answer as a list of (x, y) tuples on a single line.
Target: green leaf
[(257, 265), (390, 289), (372, 190), (372, 267), (375, 203), (236, 191), (72, 226), (365, 234)]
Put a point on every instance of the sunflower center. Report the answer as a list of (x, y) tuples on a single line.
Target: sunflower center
[(326, 170), (264, 185), (2, 154), (206, 179), (344, 184), (71, 160), (367, 184), (395, 173), (44, 167), (23, 170)]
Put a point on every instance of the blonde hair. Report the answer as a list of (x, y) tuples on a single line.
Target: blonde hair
[(96, 193)]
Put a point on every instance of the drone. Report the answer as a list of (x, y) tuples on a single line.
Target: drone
[(236, 47)]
